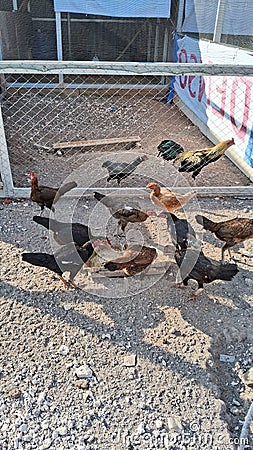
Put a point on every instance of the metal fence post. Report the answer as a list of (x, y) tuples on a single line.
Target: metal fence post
[(5, 168)]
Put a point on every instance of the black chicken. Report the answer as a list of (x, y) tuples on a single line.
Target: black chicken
[(180, 230), (67, 258), (195, 265), (169, 150), (64, 232), (120, 170)]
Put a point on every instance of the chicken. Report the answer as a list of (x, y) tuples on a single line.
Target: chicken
[(134, 259), (231, 231), (120, 170), (45, 196), (67, 258), (104, 252), (194, 160), (64, 232), (166, 199), (195, 265), (125, 214), (180, 230), (169, 150)]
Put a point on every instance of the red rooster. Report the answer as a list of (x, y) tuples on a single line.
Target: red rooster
[(45, 196)]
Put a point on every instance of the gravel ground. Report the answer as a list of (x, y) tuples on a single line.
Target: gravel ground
[(101, 368)]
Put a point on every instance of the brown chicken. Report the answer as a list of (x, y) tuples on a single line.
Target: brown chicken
[(124, 215), (166, 199), (45, 196), (134, 259), (104, 252), (231, 231)]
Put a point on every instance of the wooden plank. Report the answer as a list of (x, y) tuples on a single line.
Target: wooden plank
[(96, 142), (154, 269), (5, 168), (123, 68)]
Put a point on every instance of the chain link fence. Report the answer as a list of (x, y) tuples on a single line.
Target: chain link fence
[(59, 116)]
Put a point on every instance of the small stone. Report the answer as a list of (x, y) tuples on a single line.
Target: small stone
[(69, 365), (23, 428), (44, 425), (130, 360), (41, 397), (106, 336), (159, 424), (59, 153), (248, 281), (227, 358), (83, 371), (63, 350), (247, 377), (234, 411), (47, 443), (63, 431), (141, 428), (55, 434), (14, 392), (36, 412), (67, 307), (82, 384), (235, 402)]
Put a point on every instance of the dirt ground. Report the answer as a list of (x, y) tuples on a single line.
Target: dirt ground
[(41, 119), (153, 375)]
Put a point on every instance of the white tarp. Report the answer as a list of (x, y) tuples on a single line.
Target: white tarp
[(200, 17), (116, 8), (223, 103)]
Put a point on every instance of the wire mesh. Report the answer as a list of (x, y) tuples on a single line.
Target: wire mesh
[(53, 128)]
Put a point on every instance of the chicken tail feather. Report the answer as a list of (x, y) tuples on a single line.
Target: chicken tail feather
[(65, 188), (98, 196), (228, 271), (37, 259), (49, 224)]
